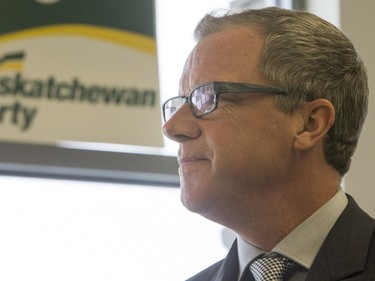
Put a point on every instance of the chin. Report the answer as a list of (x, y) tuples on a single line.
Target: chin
[(195, 200)]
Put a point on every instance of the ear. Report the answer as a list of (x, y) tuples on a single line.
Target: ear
[(318, 117)]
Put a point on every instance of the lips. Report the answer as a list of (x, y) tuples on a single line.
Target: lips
[(190, 160), (191, 155)]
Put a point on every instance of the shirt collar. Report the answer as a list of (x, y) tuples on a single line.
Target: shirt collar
[(304, 242), (247, 252)]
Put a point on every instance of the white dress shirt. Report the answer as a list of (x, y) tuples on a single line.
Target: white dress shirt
[(303, 243)]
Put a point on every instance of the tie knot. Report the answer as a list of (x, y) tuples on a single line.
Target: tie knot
[(271, 268)]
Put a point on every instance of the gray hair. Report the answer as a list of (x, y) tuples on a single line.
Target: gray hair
[(311, 59)]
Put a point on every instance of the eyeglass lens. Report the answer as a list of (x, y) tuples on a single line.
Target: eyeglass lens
[(171, 106), (201, 100)]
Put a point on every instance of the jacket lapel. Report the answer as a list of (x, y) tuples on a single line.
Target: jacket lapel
[(345, 249), (230, 265)]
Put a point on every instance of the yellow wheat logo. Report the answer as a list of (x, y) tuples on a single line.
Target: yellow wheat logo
[(12, 61)]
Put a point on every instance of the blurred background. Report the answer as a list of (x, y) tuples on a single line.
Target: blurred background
[(103, 207)]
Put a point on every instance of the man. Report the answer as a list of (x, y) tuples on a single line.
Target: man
[(270, 109)]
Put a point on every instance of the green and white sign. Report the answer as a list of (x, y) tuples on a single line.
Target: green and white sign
[(79, 70)]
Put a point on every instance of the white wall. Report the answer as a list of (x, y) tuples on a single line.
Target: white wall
[(84, 231)]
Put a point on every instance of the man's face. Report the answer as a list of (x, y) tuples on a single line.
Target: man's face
[(237, 154)]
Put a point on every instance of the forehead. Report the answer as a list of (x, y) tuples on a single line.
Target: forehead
[(232, 55)]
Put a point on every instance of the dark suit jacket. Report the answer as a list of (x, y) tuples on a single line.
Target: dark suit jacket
[(348, 253)]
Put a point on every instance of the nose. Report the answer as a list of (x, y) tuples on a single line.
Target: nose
[(182, 125)]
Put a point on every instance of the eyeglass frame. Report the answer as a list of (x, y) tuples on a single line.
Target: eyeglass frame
[(221, 88)]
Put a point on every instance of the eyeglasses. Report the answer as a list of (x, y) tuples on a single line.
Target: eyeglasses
[(204, 99)]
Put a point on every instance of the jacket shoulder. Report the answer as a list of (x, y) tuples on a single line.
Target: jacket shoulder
[(348, 252)]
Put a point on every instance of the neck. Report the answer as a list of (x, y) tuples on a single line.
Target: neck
[(264, 219)]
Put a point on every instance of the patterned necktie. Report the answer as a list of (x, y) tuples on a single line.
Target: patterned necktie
[(271, 268)]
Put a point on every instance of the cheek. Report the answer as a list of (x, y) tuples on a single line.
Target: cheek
[(249, 149), (242, 155), (232, 150)]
